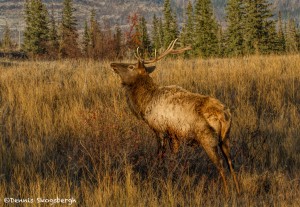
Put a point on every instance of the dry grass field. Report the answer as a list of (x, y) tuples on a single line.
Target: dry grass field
[(66, 132)]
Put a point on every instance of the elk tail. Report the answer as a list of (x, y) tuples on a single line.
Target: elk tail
[(225, 125)]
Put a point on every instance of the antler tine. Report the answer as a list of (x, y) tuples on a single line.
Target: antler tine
[(137, 54), (169, 50), (166, 52), (170, 47), (181, 50)]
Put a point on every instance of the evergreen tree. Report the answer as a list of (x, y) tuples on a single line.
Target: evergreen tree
[(118, 42), (280, 35), (187, 34), (145, 43), (206, 29), (68, 33), (96, 37), (170, 24), (270, 43), (53, 36), (28, 27), (291, 37), (86, 39), (234, 33), (221, 42), (6, 41), (36, 34), (253, 24), (155, 33), (298, 37), (161, 33), (259, 32)]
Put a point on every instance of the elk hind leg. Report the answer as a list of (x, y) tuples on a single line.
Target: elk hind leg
[(211, 150), (226, 153)]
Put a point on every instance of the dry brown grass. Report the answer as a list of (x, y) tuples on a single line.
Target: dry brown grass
[(65, 131)]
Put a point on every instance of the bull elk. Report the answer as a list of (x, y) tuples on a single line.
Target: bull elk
[(176, 114)]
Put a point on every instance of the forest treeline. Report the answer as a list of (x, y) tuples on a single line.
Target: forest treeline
[(250, 29)]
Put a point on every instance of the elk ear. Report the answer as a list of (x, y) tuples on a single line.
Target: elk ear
[(140, 64), (144, 69), (150, 69)]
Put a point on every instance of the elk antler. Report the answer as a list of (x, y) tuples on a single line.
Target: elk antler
[(168, 51)]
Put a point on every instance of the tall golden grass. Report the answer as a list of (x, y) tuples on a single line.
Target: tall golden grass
[(66, 131)]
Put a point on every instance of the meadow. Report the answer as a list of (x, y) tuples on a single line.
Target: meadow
[(66, 132)]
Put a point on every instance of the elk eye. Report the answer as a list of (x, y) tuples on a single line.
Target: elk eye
[(131, 67)]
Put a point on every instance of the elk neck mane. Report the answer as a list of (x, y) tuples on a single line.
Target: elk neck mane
[(140, 93)]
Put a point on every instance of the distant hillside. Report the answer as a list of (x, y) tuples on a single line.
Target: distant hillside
[(116, 11)]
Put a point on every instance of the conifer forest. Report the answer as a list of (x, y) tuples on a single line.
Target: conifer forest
[(250, 28)]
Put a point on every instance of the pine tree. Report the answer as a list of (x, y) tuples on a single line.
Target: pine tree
[(155, 33), (291, 37), (298, 37), (234, 33), (270, 44), (53, 36), (206, 29), (86, 39), (170, 24), (36, 34), (161, 33), (187, 34), (96, 37), (7, 44), (280, 35), (252, 26), (69, 47), (144, 36), (27, 45), (259, 32), (221, 42), (118, 42)]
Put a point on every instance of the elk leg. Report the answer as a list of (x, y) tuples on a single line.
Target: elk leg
[(161, 150), (211, 149), (174, 144), (226, 152)]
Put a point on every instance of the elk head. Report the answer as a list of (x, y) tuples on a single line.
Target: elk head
[(129, 72)]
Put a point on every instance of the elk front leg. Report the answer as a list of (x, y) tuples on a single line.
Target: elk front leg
[(161, 142), (174, 143)]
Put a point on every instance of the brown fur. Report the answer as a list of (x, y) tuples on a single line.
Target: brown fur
[(176, 115)]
